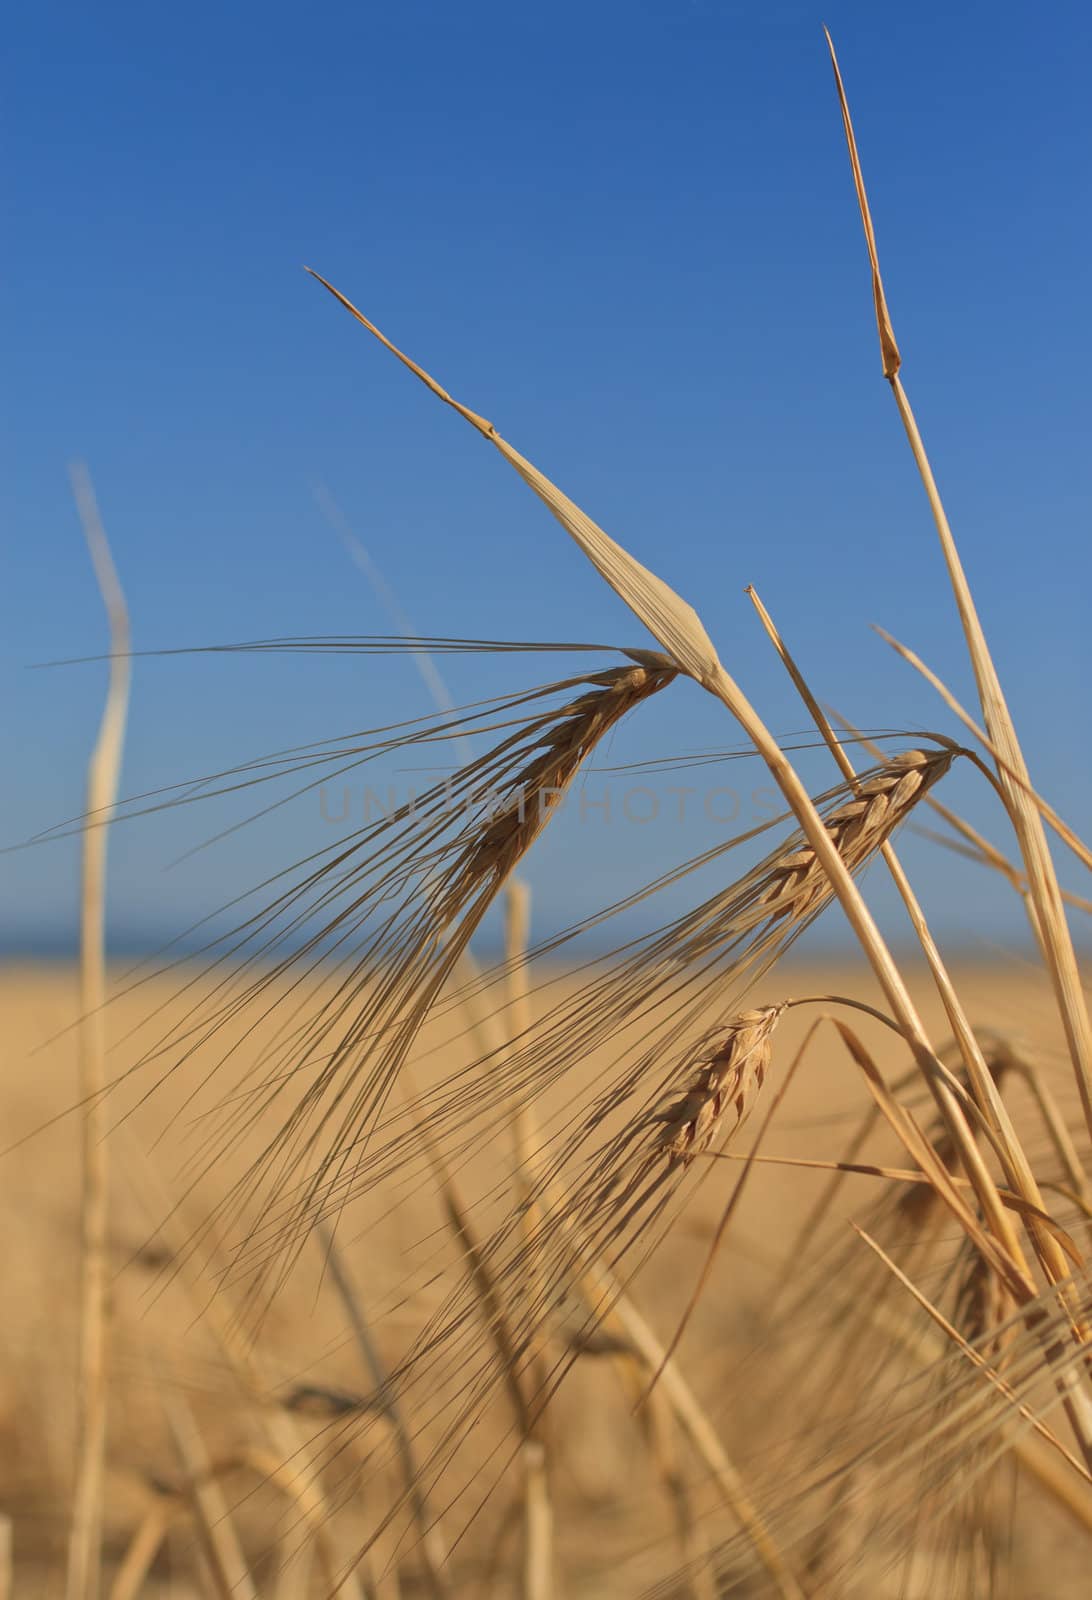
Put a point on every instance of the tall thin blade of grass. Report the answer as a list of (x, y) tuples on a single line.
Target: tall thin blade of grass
[(83, 1575), (1054, 935)]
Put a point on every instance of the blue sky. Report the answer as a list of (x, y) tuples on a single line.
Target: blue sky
[(627, 234)]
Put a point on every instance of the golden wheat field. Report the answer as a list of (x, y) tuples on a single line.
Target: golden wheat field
[(287, 1408)]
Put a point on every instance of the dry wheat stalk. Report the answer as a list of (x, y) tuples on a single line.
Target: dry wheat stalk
[(679, 630), (247, 1360), (549, 1225)]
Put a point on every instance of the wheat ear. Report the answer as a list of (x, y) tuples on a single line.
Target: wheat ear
[(728, 1082), (857, 828), (541, 785)]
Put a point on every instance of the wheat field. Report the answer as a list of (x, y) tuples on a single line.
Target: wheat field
[(615, 1477)]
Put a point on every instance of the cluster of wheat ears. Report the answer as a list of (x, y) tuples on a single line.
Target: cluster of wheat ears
[(939, 1351)]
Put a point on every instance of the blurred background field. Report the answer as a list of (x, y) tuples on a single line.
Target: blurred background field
[(615, 1526)]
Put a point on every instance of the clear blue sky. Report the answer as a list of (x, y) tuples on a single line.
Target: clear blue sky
[(627, 234)]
